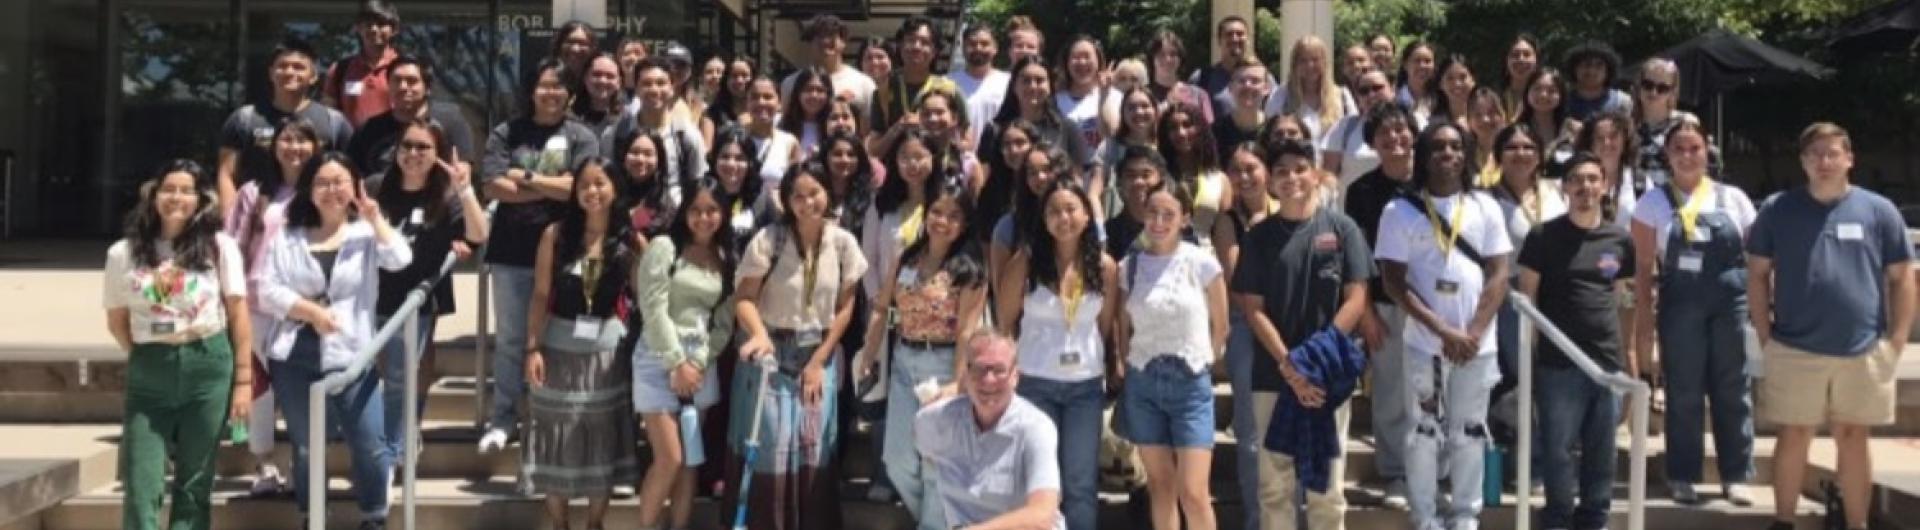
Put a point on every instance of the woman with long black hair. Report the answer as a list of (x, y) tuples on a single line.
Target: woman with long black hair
[(258, 215), (738, 172), (805, 115), (582, 434), (1030, 98), (683, 289), (932, 298), (850, 179), (1005, 174), (728, 107), (796, 286), (429, 191), (1546, 112), (175, 292), (1054, 298), (650, 194)]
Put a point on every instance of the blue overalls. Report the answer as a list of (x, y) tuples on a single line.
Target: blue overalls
[(1702, 310)]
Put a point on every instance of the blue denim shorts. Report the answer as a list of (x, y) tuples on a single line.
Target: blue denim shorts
[(1168, 404), (652, 391)]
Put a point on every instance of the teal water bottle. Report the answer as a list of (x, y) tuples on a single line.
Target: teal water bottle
[(690, 442), (1492, 484), (237, 432)]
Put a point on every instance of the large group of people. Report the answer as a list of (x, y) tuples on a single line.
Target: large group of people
[(999, 261)]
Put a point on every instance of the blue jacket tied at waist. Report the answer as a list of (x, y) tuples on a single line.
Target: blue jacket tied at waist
[(1331, 361)]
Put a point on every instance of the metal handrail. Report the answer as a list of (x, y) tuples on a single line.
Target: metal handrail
[(409, 320), (1641, 397)]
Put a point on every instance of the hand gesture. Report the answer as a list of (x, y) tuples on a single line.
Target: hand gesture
[(368, 207), (536, 369), (459, 174)]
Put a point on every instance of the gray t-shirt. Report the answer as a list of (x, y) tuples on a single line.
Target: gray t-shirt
[(984, 474), (1829, 266)]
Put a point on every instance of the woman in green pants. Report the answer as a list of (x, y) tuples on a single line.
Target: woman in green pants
[(175, 293)]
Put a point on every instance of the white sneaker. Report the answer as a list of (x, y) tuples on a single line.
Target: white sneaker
[(1396, 494), (1684, 493), (1736, 494), (267, 482), (495, 440)]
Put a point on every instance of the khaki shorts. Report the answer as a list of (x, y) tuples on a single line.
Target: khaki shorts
[(1805, 389)]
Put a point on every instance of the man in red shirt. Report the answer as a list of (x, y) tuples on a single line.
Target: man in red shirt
[(358, 86)]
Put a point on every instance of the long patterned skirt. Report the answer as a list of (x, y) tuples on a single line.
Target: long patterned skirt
[(582, 436), (795, 479)]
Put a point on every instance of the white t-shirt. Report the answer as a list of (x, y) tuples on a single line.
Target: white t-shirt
[(1085, 112), (169, 304), (1167, 305), (1349, 139), (1655, 212), (983, 95), (1552, 203), (1406, 236), (775, 155)]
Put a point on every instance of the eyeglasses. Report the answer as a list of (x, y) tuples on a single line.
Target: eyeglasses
[(416, 147), (998, 371), (1656, 87)]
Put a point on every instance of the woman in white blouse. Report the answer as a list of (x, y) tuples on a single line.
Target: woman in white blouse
[(1173, 333), (1056, 290), (175, 294), (321, 282)]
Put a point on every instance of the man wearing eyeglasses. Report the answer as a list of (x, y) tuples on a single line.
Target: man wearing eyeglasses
[(993, 453), (410, 81)]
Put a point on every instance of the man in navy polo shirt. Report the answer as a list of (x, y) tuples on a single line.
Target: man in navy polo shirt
[(1823, 262)]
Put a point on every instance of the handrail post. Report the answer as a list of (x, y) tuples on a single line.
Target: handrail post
[(482, 344), (317, 454), (1524, 457), (1637, 467), (410, 451)]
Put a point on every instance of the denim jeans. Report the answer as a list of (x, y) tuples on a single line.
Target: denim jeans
[(1449, 406), (1575, 412), (1391, 422), (1169, 405), (355, 412), (393, 380), (1703, 356), (1076, 410), (512, 291), (905, 467), (1240, 352)]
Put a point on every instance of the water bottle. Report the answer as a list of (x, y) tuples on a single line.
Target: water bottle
[(690, 436), (1756, 357), (1493, 483), (237, 432)]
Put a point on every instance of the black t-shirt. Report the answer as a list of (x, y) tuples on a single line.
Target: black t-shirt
[(1227, 135), (1578, 268), (1300, 268), (250, 132), (1066, 137), (372, 146), (1215, 79), (1366, 199), (431, 240), (541, 149), (1122, 232)]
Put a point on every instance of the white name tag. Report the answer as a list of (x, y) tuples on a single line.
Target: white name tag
[(354, 88), (418, 217), (1690, 261), (1070, 359), (909, 275), (1850, 231), (162, 327), (586, 328)]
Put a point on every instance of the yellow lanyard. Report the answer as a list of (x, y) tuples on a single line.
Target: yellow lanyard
[(1690, 213), (590, 270), (1072, 292), (811, 273), (910, 104), (910, 226), (1199, 189), (1441, 238), (1489, 173)]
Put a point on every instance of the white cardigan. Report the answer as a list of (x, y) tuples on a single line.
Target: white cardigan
[(292, 275)]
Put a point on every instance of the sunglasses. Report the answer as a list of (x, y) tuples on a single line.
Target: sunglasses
[(1655, 87)]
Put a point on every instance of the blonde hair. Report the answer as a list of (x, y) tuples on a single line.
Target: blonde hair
[(1329, 94)]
